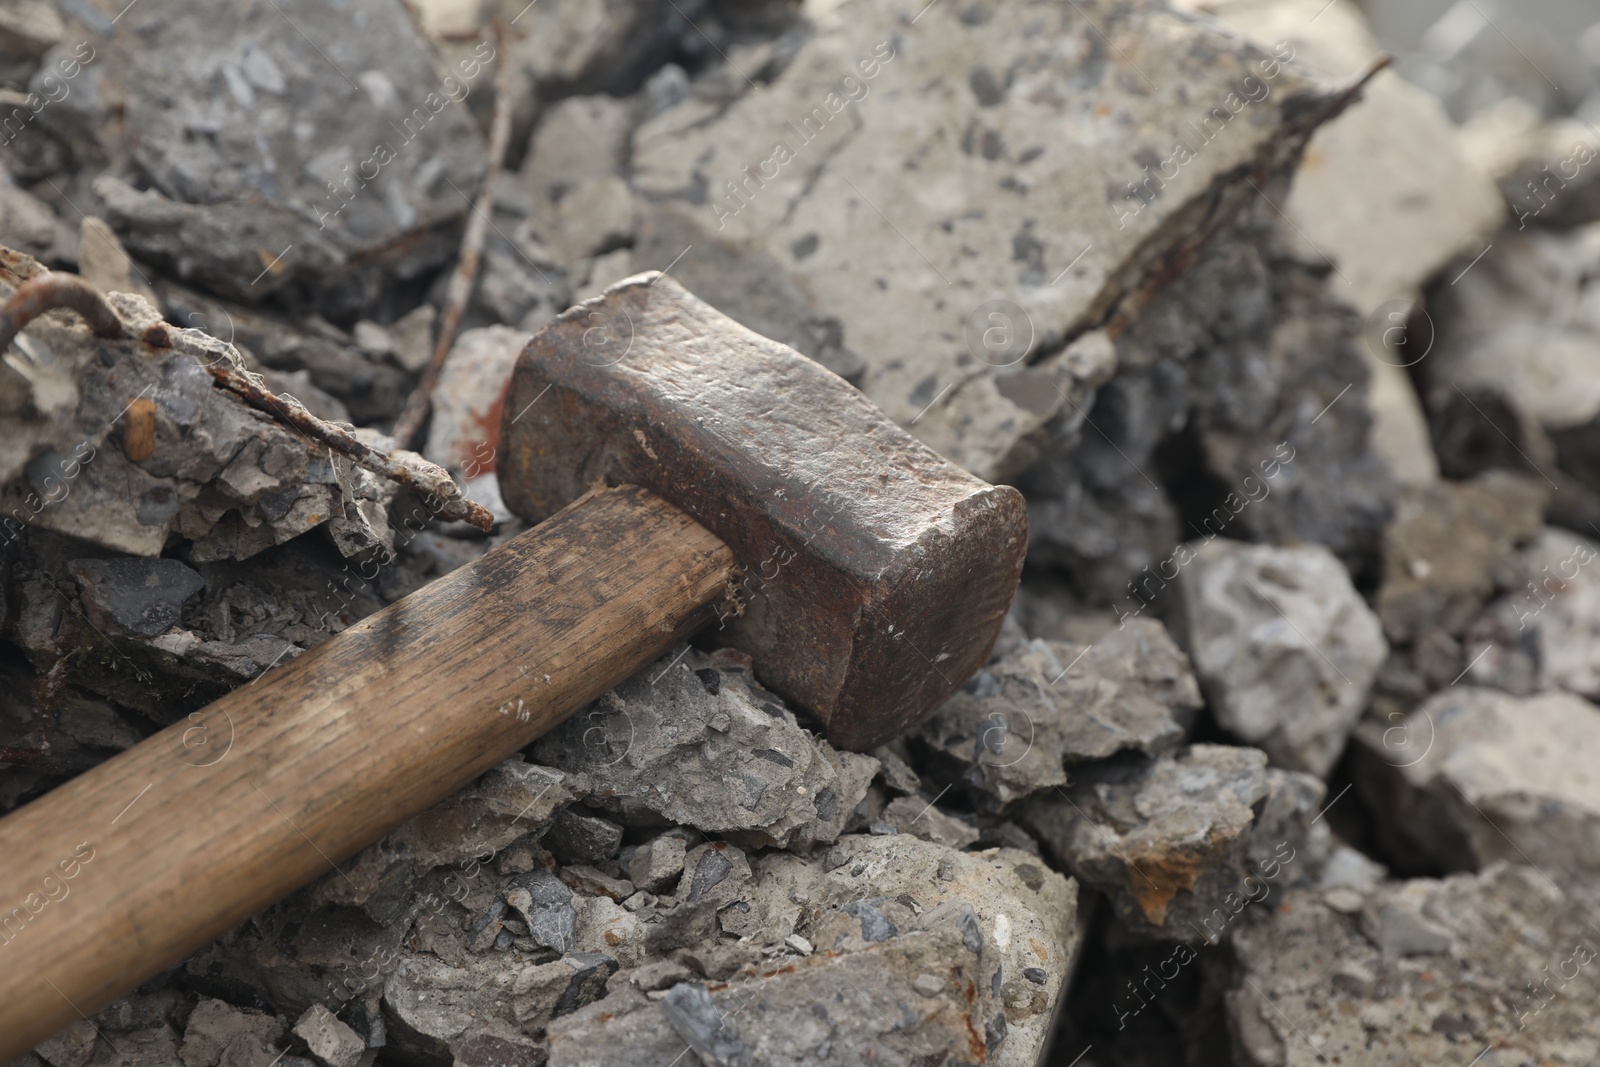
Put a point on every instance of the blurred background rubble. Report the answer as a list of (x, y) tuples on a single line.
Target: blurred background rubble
[(1287, 752)]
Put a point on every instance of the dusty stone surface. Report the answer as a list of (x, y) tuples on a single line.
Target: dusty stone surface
[(826, 200), (332, 1042), (1542, 634), (1018, 724), (348, 157), (1497, 965), (1490, 776), (928, 952), (695, 739), (1450, 547), (1283, 644), (1179, 842)]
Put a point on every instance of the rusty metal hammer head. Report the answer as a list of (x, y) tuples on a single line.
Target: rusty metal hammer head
[(876, 573)]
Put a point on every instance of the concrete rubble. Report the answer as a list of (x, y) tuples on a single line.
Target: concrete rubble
[(1262, 622), (1490, 776), (1495, 965), (1022, 721), (1284, 754), (1171, 840)]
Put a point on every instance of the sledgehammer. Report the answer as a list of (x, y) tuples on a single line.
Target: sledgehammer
[(684, 468)]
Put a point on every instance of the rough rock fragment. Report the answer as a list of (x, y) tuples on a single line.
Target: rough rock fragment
[(652, 864), (1545, 633), (550, 990), (1181, 843), (577, 837), (142, 596), (1045, 237), (512, 800), (1225, 392), (431, 1007), (319, 167), (930, 954), (1050, 703), (125, 443), (918, 816), (1450, 547), (332, 1042), (1284, 645), (1497, 965), (218, 1032), (1489, 776), (695, 739)]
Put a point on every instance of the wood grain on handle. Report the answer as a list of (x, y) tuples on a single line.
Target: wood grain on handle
[(128, 868)]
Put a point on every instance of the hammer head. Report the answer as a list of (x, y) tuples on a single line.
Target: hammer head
[(876, 572)]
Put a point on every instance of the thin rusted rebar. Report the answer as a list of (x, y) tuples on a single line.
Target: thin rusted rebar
[(53, 291), (418, 474), (460, 289), (34, 298)]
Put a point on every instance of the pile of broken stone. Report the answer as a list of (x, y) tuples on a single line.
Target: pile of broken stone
[(1286, 753)]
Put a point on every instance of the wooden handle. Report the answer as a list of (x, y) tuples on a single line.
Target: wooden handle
[(130, 867)]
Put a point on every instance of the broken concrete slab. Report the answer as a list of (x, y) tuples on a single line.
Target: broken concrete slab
[(1023, 719), (810, 173), (908, 925), (1474, 965), (1489, 777), (696, 740), (1283, 644), (320, 172), (1180, 844)]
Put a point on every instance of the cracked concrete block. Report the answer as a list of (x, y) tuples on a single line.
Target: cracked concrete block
[(1497, 965), (1051, 235), (1284, 646), (1021, 720), (322, 173), (931, 953), (1181, 844), (1487, 776), (696, 740)]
